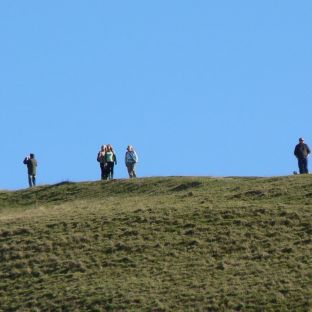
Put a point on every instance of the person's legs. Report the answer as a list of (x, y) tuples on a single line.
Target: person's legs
[(305, 165), (106, 171), (34, 180), (102, 171), (130, 170), (133, 171), (112, 171), (300, 165), (29, 180)]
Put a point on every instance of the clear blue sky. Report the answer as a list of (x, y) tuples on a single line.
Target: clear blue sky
[(210, 88)]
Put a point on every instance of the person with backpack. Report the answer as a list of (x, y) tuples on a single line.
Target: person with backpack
[(131, 158), (31, 163), (302, 152)]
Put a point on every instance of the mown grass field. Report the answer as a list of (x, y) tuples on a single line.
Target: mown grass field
[(158, 244)]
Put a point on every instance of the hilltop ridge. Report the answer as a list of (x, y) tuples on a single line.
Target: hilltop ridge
[(68, 190)]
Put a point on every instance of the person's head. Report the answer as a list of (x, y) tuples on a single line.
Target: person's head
[(109, 148), (301, 140), (31, 155), (129, 148), (103, 147)]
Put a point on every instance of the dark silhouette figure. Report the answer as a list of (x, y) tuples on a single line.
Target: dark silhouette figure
[(302, 152), (31, 163)]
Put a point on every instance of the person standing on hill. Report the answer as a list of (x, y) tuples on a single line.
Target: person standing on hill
[(111, 160), (31, 163), (302, 152), (131, 158), (101, 159)]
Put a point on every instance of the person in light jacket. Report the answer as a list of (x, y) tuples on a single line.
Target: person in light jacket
[(31, 163), (131, 158)]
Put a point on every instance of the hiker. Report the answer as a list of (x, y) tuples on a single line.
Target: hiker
[(31, 163), (131, 158), (101, 159), (111, 160), (302, 152)]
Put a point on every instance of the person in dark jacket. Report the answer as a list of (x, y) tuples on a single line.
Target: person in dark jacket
[(302, 152), (101, 159), (31, 163)]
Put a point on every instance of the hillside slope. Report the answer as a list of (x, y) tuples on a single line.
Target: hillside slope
[(158, 244)]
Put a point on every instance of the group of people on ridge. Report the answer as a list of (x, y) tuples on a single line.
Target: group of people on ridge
[(107, 159)]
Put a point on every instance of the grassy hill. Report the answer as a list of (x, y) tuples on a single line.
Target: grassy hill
[(158, 244)]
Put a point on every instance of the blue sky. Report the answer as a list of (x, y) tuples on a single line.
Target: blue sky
[(209, 88)]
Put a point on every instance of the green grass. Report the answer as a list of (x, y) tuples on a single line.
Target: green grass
[(158, 244)]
